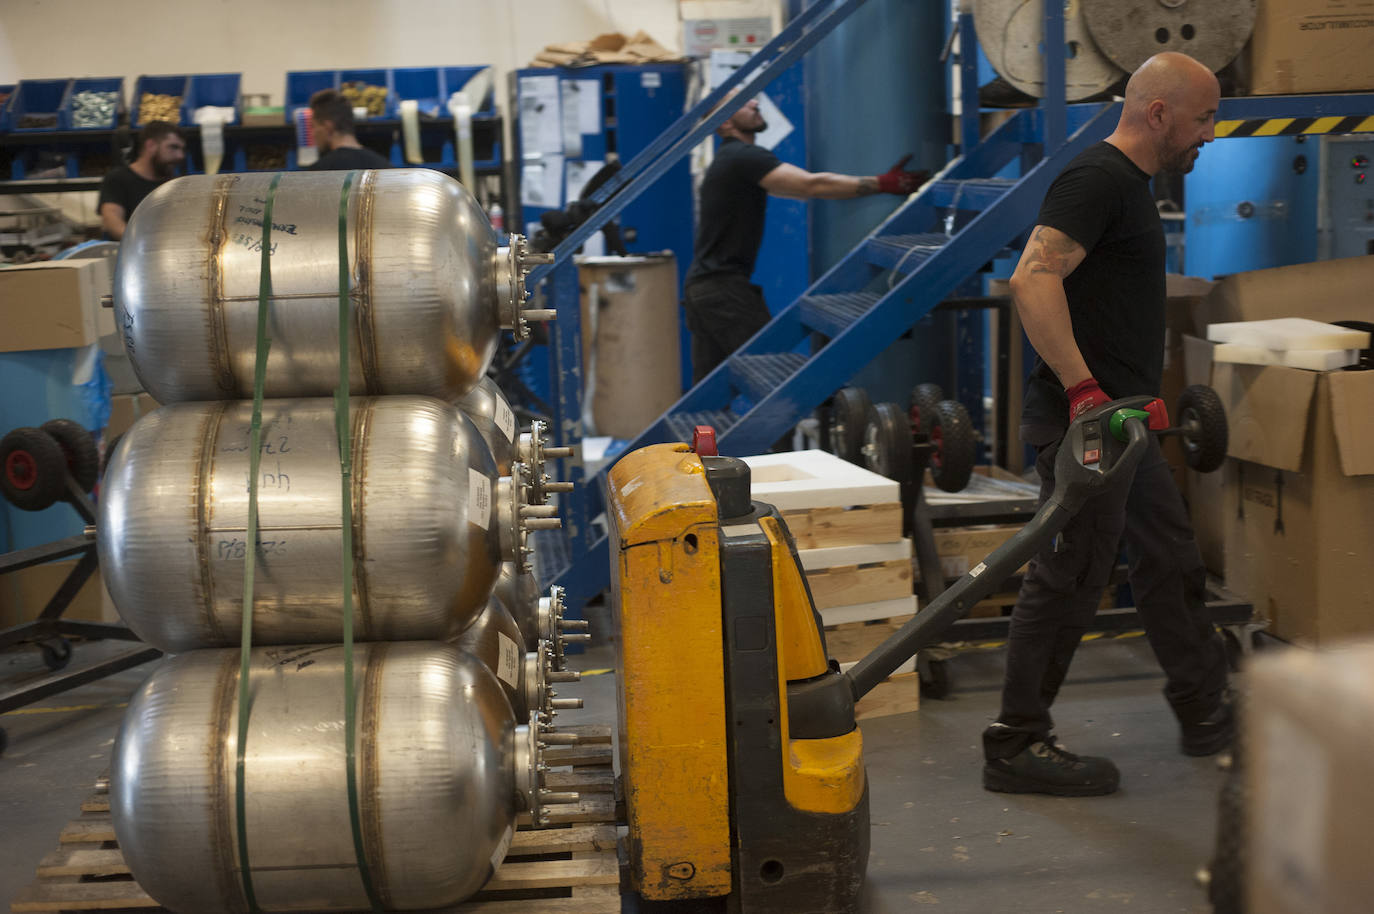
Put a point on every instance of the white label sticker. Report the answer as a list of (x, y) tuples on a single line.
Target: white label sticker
[(505, 420), (977, 569), (508, 664), (502, 846), (479, 499), (651, 80)]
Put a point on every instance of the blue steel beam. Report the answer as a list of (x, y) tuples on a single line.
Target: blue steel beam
[(612, 208), (1056, 88)]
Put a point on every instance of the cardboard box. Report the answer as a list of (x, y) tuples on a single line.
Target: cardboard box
[(24, 593), (54, 305), (1311, 46), (1299, 501), (1329, 290), (125, 410), (1309, 735)]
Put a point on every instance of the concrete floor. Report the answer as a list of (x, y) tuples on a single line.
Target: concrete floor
[(938, 839)]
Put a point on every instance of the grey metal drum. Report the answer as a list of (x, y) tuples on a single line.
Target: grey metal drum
[(490, 411), (429, 288), (440, 777), (174, 509)]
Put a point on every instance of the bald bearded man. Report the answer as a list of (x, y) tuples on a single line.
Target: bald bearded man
[(1089, 289)]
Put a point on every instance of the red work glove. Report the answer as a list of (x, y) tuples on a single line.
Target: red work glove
[(1084, 396), (897, 181)]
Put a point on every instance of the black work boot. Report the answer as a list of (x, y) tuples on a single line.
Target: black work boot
[(1046, 767), (1213, 733)]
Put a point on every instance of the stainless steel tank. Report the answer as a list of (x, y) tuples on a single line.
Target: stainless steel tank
[(442, 770), (526, 676), (490, 411), (430, 289), (540, 619), (432, 523)]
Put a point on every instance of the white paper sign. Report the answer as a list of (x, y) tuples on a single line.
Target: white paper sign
[(479, 499), (572, 137), (541, 182), (508, 664), (505, 420), (541, 125)]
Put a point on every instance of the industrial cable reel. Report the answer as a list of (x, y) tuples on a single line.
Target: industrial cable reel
[(1012, 34), (1129, 32)]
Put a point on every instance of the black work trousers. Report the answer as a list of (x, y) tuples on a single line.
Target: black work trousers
[(723, 312), (1060, 593)]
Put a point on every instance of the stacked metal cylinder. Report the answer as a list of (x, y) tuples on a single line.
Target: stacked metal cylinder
[(452, 693)]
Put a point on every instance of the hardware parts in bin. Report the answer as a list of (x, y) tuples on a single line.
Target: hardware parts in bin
[(361, 95), (91, 108), (157, 107)]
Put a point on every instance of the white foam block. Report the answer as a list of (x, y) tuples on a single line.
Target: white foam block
[(1288, 333), (814, 479), (1311, 359), (863, 612), (832, 556)]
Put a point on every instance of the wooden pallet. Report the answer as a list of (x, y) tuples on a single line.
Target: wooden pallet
[(568, 867)]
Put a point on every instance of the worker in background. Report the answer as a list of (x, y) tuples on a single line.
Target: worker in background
[(161, 150), (724, 309), (332, 122), (1089, 289)]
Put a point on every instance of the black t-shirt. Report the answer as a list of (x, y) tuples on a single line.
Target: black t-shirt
[(347, 158), (1116, 295), (730, 223), (125, 187)]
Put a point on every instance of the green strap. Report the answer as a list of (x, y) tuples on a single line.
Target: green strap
[(250, 557), (341, 427)]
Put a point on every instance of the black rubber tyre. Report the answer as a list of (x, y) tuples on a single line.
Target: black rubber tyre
[(32, 469), (923, 400), (56, 653), (78, 446), (887, 442), (1226, 889), (848, 416), (952, 434), (1203, 417)]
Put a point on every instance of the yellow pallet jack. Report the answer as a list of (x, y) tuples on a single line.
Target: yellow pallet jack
[(741, 764)]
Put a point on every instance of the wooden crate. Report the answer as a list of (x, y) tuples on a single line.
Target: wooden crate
[(843, 585), (827, 501), (570, 867)]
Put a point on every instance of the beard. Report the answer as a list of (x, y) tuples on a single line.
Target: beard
[(1180, 162), (759, 126), (164, 169)]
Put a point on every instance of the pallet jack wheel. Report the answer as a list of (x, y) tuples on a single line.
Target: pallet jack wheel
[(848, 414), (32, 469), (951, 432), (56, 653), (78, 446), (1203, 419), (887, 442), (923, 400), (934, 676)]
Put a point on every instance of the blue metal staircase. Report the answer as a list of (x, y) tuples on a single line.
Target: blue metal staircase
[(962, 219)]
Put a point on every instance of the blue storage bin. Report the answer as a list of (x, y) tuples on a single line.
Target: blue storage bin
[(156, 85), (113, 84), (38, 96), (420, 84), (6, 94), (455, 78), (373, 77), (301, 84), (222, 90)]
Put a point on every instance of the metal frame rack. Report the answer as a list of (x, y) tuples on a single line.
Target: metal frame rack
[(907, 266)]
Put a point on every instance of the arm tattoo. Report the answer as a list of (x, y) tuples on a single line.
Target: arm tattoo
[(1049, 253), (867, 187)]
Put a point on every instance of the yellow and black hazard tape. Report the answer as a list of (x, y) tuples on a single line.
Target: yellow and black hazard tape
[(1296, 126)]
